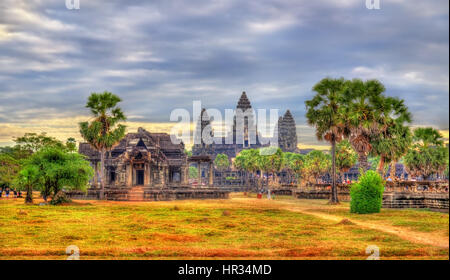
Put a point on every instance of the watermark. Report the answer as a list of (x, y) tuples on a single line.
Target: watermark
[(246, 127), (73, 4), (374, 252), (373, 4), (74, 253)]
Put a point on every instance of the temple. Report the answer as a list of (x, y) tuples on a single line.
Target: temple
[(141, 159), (244, 136)]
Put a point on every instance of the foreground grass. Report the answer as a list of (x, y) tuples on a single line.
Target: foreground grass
[(237, 228)]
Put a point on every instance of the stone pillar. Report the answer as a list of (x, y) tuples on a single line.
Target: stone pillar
[(185, 174), (146, 174), (199, 173), (162, 174), (211, 174), (95, 174), (129, 175), (150, 174)]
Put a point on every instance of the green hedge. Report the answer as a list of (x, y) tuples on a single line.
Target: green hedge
[(367, 194)]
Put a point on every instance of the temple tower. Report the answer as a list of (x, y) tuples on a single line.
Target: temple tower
[(287, 133)]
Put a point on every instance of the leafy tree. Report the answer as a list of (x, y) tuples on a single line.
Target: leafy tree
[(9, 167), (293, 164), (324, 112), (57, 169), (221, 162), (247, 160), (346, 157), (71, 144), (105, 131), (34, 142), (368, 113), (316, 164), (428, 155), (26, 179)]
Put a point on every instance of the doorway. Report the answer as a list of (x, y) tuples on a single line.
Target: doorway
[(139, 177)]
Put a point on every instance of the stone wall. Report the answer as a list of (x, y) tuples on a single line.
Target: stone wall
[(405, 194), (153, 194)]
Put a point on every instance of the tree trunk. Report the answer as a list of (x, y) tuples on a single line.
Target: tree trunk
[(29, 196), (363, 163), (334, 193), (381, 166), (102, 174)]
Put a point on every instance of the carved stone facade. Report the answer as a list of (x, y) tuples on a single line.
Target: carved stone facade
[(141, 159), (243, 135)]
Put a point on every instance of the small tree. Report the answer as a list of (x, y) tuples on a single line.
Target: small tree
[(221, 163), (367, 194), (26, 179), (293, 164), (193, 172), (56, 169), (317, 163)]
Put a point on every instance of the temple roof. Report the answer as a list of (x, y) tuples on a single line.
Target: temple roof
[(243, 102)]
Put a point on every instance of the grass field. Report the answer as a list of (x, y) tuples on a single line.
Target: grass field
[(241, 227)]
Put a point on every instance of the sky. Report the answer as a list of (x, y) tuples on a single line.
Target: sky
[(162, 55)]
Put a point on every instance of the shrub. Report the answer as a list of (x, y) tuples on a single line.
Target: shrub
[(367, 194), (60, 198)]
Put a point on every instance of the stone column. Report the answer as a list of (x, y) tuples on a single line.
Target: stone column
[(185, 174), (199, 173), (211, 174), (162, 174), (129, 175), (150, 174), (95, 174), (146, 174)]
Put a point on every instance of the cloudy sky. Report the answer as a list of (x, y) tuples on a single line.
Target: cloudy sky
[(162, 55)]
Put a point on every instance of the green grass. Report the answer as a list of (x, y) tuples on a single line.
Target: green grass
[(237, 228)]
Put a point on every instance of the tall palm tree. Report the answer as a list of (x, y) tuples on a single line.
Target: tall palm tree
[(369, 113), (324, 113), (391, 145), (105, 131)]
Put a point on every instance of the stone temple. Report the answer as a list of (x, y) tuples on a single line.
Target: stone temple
[(142, 159), (241, 138)]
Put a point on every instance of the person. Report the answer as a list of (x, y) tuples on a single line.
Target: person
[(7, 192), (15, 193)]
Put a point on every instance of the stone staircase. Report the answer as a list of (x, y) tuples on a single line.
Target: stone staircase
[(136, 194)]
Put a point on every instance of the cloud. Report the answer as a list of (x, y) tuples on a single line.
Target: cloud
[(162, 55)]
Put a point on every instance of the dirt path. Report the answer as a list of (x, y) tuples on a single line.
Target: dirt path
[(412, 236)]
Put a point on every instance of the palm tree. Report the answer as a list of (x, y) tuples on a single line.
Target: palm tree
[(104, 132), (324, 113), (369, 113), (391, 145), (345, 157)]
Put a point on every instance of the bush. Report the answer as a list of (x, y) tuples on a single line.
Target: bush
[(60, 198), (367, 194)]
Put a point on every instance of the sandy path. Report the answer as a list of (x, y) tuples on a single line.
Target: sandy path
[(427, 238)]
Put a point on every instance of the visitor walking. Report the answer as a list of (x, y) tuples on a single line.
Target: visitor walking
[(7, 192)]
